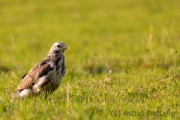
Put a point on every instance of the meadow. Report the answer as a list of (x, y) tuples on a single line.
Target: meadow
[(122, 58)]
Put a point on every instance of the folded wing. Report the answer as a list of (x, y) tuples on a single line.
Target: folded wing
[(39, 70)]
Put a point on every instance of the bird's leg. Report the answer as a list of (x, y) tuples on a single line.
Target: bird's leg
[(46, 94)]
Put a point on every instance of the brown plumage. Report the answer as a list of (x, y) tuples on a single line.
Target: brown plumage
[(45, 75)]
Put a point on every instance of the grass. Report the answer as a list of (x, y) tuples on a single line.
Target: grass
[(122, 59)]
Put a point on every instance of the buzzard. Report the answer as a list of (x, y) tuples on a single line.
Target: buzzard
[(45, 75)]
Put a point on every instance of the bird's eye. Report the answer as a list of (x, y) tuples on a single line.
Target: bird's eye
[(58, 46)]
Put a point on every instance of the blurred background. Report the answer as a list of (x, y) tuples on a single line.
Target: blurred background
[(122, 55), (101, 35)]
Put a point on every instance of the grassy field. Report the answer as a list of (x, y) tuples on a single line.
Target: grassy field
[(122, 60)]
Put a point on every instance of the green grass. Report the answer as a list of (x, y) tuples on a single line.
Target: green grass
[(122, 59)]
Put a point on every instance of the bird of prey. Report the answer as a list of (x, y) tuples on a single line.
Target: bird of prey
[(45, 75)]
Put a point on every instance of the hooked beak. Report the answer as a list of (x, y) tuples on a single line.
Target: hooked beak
[(65, 48)]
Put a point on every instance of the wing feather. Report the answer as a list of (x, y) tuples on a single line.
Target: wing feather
[(39, 70)]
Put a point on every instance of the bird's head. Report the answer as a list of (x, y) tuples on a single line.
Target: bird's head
[(58, 47)]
